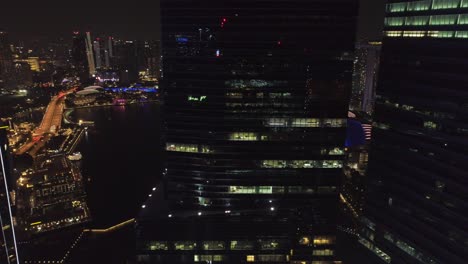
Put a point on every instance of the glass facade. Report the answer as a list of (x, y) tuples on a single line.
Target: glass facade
[(255, 100), (428, 18), (246, 93), (416, 206)]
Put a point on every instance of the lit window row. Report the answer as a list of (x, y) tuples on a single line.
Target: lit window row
[(267, 258), (332, 151), (408, 249), (254, 83), (302, 164), (432, 34), (280, 189), (262, 244), (305, 122), (246, 136), (435, 20), (323, 252), (194, 148), (208, 258), (425, 5), (384, 256), (318, 241)]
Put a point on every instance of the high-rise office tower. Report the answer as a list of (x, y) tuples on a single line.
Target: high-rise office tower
[(6, 60), (8, 249), (366, 64), (97, 53), (90, 54), (255, 106), (79, 55), (417, 198)]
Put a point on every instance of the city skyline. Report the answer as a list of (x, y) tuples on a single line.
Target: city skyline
[(44, 21)]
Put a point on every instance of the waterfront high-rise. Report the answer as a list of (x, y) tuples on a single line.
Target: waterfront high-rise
[(79, 55), (8, 249), (417, 198), (255, 106)]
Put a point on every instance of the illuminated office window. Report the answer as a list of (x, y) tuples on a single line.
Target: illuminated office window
[(250, 258), (277, 122), (464, 3), (396, 7), (301, 164), (414, 34), (461, 34), (417, 21), (243, 136), (305, 122), (158, 245), (430, 125), (334, 122), (332, 151), (419, 5), (185, 245), (445, 34), (194, 148), (271, 244), (242, 245), (256, 189), (463, 19), (394, 21), (445, 4), (324, 240), (393, 33), (444, 20), (214, 245), (323, 252)]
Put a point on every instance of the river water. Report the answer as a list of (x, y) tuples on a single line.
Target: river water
[(121, 159)]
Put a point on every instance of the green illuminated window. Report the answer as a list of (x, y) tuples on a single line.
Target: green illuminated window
[(417, 20), (419, 5), (396, 7), (393, 33), (464, 3), (443, 20), (461, 34), (332, 151), (463, 19), (394, 21), (199, 98), (445, 4)]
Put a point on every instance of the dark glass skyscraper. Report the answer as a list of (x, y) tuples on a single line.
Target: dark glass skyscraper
[(6, 60), (417, 200), (79, 56), (8, 250), (255, 106)]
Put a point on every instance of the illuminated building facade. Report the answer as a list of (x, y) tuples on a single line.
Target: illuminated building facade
[(417, 199), (255, 106), (367, 57), (8, 249)]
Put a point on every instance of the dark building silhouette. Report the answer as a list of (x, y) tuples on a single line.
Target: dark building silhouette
[(417, 199), (255, 106), (6, 60), (79, 56)]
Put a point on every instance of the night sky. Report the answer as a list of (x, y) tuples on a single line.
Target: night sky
[(30, 20)]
